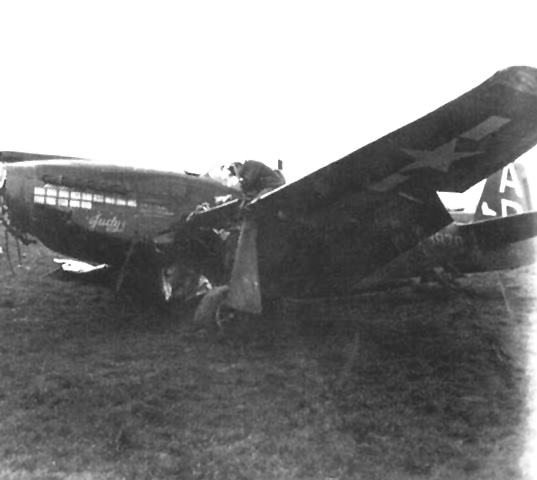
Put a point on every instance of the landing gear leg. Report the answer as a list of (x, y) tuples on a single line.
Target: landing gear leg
[(125, 264)]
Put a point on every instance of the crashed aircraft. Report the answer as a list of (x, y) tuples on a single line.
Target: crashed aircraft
[(327, 234)]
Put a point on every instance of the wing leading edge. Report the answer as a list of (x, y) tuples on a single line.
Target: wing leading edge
[(450, 149)]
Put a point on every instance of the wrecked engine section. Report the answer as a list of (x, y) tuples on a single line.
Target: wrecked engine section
[(10, 230), (193, 261)]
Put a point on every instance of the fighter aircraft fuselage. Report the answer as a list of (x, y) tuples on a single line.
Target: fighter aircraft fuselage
[(354, 219), (94, 211), (489, 245)]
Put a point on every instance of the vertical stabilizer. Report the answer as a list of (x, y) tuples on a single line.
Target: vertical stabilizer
[(505, 193)]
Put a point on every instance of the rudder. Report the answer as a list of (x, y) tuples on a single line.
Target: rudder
[(505, 193)]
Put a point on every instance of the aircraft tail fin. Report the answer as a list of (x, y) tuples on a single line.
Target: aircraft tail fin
[(505, 193)]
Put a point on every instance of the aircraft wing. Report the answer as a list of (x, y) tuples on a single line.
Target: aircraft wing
[(365, 209), (450, 149)]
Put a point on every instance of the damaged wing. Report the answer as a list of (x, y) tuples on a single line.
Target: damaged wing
[(320, 234)]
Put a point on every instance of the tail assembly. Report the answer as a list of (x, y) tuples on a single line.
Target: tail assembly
[(502, 234), (505, 193), (502, 243)]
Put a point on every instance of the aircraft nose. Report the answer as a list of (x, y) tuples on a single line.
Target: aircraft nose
[(8, 188), (16, 192), (2, 187), (2, 177)]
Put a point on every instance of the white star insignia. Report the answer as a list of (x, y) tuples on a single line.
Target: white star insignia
[(438, 159)]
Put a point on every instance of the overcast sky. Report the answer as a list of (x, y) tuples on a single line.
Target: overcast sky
[(188, 84)]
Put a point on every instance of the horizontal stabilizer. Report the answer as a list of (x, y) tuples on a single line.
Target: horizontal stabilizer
[(502, 231)]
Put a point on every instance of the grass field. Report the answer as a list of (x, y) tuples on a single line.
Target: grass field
[(408, 384)]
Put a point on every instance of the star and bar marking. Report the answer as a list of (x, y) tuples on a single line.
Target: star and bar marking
[(441, 158)]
